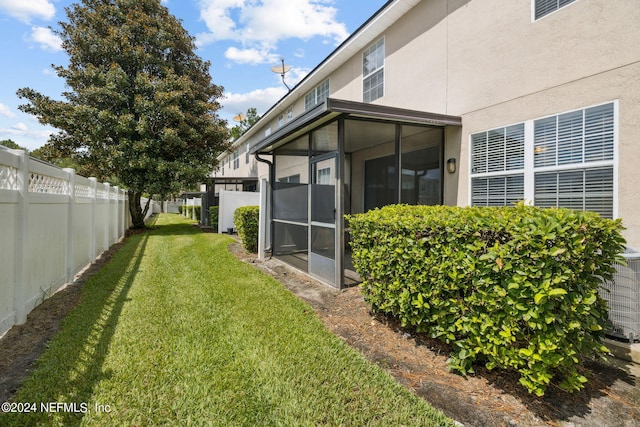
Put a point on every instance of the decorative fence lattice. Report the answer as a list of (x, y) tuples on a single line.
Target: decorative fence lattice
[(8, 177), (39, 183)]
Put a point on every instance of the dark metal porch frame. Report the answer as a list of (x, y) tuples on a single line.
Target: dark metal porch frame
[(335, 109)]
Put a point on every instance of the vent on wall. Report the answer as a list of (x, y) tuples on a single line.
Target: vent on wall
[(623, 299)]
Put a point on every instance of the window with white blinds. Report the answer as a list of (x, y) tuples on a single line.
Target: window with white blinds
[(497, 166), (585, 189), (498, 150), (573, 159), (576, 137), (497, 190), (545, 7)]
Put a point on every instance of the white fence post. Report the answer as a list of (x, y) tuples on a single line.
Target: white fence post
[(92, 235), (70, 208), (22, 230), (107, 210)]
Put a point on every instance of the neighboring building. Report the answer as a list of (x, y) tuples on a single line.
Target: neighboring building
[(459, 102)]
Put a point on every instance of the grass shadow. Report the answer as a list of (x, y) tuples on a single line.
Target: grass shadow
[(72, 366)]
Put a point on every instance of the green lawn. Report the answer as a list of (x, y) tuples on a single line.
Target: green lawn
[(175, 331)]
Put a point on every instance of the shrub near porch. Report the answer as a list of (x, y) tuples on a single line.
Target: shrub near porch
[(246, 219), (513, 288)]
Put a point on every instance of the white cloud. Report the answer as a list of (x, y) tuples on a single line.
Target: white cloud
[(6, 111), (217, 16), (25, 136), (26, 10), (45, 38), (250, 56), (260, 24), (260, 99)]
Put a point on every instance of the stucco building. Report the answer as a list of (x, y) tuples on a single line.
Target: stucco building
[(458, 102)]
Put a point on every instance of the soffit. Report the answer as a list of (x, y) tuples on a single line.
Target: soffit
[(333, 108)]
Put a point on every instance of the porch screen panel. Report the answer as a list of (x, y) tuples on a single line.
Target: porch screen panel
[(290, 203), (291, 242), (380, 182), (421, 181)]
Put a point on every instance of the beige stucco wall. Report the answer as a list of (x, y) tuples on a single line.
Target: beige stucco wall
[(622, 85), (490, 63)]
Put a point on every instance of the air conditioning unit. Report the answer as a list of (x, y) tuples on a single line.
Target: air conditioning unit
[(622, 295)]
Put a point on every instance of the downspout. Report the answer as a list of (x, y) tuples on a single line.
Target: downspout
[(272, 178)]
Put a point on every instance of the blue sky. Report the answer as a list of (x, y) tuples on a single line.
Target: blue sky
[(243, 39)]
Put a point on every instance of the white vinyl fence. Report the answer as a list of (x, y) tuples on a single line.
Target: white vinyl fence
[(53, 223), (229, 202)]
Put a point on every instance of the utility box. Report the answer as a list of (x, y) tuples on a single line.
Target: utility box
[(622, 295)]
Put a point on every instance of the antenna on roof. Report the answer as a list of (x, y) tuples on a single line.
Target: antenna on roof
[(282, 70)]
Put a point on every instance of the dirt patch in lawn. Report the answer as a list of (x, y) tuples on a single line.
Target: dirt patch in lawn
[(611, 398)]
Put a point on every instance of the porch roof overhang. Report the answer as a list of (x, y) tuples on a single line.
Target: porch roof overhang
[(229, 179), (332, 108)]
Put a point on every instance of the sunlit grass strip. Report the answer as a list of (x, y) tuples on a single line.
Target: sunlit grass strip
[(176, 331)]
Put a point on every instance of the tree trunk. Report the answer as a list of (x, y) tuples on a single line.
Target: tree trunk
[(136, 210)]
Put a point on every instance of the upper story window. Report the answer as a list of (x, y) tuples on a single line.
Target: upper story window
[(280, 120), (236, 159), (317, 95), (289, 114), (373, 71), (545, 7), (246, 154)]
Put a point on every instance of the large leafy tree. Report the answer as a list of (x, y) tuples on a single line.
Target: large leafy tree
[(141, 106), (246, 121), (11, 144)]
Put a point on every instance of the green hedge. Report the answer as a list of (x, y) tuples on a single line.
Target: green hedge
[(213, 217), (246, 221), (512, 288)]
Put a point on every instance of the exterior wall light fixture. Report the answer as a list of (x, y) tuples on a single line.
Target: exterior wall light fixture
[(451, 165)]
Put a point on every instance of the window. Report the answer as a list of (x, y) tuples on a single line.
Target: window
[(236, 159), (281, 120), (316, 96), (497, 166), (289, 114), (572, 155), (292, 179), (545, 7), (373, 71), (246, 154), (267, 132), (324, 176)]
